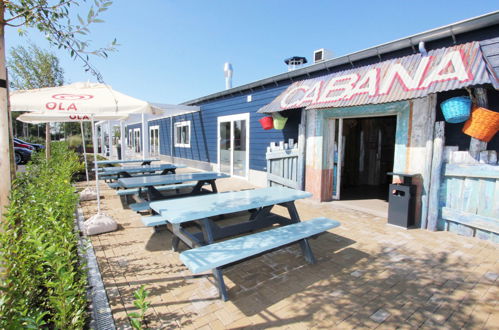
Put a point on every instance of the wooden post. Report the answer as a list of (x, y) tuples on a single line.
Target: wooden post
[(426, 174), (476, 145), (436, 170), (302, 141), (6, 147)]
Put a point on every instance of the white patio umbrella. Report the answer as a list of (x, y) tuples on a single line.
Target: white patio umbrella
[(79, 102)]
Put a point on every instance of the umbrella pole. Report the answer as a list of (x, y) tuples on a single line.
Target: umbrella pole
[(96, 167), (84, 151)]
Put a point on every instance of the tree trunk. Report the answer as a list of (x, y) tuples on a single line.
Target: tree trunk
[(6, 147)]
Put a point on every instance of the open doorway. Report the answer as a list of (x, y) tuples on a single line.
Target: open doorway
[(368, 154)]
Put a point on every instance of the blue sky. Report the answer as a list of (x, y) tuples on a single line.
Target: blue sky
[(174, 51)]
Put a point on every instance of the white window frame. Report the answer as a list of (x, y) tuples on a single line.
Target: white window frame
[(152, 151), (182, 124)]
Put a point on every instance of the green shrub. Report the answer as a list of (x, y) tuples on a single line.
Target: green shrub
[(43, 280)]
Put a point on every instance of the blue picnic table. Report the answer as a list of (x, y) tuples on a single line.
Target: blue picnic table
[(148, 183), (203, 208), (146, 161), (205, 254)]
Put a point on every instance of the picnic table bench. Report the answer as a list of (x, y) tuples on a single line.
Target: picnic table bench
[(217, 255), (200, 209)]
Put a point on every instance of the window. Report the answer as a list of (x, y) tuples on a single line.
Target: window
[(154, 140), (183, 134)]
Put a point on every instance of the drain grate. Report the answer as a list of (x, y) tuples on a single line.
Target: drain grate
[(101, 316)]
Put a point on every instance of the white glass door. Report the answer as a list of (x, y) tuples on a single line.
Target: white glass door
[(154, 140), (233, 142), (136, 140)]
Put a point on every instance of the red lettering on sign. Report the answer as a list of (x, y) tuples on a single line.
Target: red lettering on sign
[(72, 106), (51, 105), (78, 117)]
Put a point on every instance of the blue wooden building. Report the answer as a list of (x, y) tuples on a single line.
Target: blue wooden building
[(349, 135)]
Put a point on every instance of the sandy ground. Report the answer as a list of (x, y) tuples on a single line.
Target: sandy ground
[(368, 275)]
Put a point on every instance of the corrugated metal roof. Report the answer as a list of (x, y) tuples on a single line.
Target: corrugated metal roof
[(403, 78), (490, 50)]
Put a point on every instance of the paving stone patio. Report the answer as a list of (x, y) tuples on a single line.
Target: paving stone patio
[(368, 275)]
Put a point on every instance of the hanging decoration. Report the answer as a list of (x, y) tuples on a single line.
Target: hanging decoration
[(279, 120), (456, 109), (266, 122), (482, 125)]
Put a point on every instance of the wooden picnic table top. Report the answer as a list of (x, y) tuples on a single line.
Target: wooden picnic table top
[(198, 207), (157, 180), (125, 161)]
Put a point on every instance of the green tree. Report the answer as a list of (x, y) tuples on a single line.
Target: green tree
[(32, 67), (56, 20)]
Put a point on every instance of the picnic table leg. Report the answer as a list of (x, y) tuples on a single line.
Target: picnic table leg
[(191, 240), (304, 244), (207, 230), (222, 290), (168, 171), (153, 193), (213, 186), (175, 242)]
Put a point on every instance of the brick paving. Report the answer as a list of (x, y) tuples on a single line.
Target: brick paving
[(368, 275)]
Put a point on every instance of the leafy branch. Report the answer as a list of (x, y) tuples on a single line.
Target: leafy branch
[(55, 22)]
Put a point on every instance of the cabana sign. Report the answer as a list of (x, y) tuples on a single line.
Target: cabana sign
[(402, 78)]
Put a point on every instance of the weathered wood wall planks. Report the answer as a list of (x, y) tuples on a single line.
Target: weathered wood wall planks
[(283, 165), (470, 196)]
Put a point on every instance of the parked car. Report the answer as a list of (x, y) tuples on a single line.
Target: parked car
[(36, 146), (22, 145), (22, 155)]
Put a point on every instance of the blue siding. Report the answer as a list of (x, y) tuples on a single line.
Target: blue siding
[(259, 138), (203, 146), (198, 149)]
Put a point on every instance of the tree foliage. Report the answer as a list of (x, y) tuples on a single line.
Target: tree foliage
[(32, 67), (55, 20)]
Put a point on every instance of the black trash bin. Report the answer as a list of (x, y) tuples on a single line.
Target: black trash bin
[(401, 201), (118, 148)]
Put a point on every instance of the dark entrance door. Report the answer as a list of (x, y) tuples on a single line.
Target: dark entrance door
[(368, 156)]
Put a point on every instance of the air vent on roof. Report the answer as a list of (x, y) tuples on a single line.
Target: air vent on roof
[(322, 55), (295, 62)]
